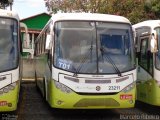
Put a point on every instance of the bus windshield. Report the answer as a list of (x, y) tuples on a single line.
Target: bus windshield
[(8, 44), (93, 47), (158, 53)]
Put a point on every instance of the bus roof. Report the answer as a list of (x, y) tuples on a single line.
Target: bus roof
[(149, 23), (9, 14), (89, 17)]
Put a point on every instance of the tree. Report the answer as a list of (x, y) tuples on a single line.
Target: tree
[(75, 5), (152, 7), (5, 3), (135, 10), (131, 9)]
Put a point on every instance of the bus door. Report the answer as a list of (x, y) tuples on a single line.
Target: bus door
[(145, 69)]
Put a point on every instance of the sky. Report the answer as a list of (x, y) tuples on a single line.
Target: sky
[(28, 8)]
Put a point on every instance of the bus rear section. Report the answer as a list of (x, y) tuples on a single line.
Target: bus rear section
[(10, 66), (90, 64)]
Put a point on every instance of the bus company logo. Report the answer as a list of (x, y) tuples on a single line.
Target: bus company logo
[(98, 88), (3, 103), (126, 97)]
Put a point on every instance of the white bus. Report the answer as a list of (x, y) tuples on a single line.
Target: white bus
[(10, 60), (86, 61), (148, 55)]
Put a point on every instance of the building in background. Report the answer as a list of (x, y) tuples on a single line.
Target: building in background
[(34, 24)]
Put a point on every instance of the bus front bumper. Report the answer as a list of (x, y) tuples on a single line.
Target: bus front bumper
[(59, 99)]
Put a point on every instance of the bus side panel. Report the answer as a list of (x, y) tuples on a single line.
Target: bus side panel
[(141, 92), (153, 92), (149, 92), (40, 63)]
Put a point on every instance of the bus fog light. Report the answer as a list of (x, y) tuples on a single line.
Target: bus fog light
[(131, 101), (59, 102), (9, 104)]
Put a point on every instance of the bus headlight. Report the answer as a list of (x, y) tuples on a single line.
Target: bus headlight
[(129, 88), (8, 88), (12, 86), (62, 87)]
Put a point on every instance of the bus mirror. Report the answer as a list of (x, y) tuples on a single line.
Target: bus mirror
[(134, 33), (48, 42), (26, 40), (153, 43)]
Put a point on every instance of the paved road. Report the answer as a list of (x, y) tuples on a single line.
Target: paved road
[(33, 107), (28, 68)]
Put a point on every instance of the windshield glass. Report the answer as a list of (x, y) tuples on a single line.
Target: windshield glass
[(8, 44), (158, 53), (93, 47)]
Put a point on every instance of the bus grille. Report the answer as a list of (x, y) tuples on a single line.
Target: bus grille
[(86, 102)]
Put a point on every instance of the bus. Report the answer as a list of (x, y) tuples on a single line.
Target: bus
[(86, 61), (10, 60), (27, 44), (147, 45)]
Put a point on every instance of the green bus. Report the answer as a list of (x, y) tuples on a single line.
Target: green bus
[(10, 60), (147, 45), (86, 61)]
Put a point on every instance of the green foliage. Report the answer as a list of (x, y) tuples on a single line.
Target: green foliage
[(153, 9), (4, 3), (131, 9), (134, 10)]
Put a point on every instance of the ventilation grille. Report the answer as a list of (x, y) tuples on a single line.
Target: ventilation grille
[(86, 102)]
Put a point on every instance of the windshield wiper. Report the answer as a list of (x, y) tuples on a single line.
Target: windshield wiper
[(108, 58), (84, 60)]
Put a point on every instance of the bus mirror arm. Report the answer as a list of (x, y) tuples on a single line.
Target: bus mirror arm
[(21, 49), (27, 40), (26, 35), (48, 42)]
